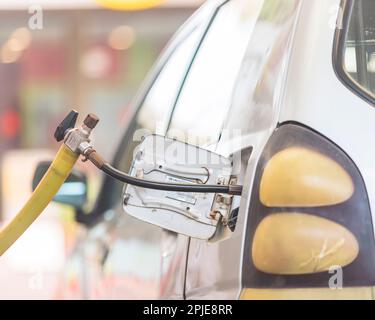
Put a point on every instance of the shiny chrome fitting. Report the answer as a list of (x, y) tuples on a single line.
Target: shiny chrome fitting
[(84, 147), (75, 138)]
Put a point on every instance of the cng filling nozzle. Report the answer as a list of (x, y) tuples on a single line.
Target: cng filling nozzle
[(77, 142)]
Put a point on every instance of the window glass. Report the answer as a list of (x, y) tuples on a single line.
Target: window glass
[(359, 57), (162, 95), (154, 112), (206, 95)]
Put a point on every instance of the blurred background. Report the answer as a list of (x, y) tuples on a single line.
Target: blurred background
[(85, 57)]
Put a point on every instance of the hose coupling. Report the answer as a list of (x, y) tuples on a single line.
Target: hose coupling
[(90, 153), (78, 139)]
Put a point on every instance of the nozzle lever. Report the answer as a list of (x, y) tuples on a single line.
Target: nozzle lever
[(69, 122)]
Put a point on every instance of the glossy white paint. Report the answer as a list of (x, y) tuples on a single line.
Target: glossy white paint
[(214, 269), (316, 97)]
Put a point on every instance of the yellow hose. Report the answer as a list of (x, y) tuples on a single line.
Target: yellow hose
[(41, 197)]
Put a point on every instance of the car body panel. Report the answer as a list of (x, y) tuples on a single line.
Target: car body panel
[(214, 269)]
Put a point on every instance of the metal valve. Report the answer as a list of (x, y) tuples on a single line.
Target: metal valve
[(76, 139)]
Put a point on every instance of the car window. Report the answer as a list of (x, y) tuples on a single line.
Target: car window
[(359, 47), (154, 113), (162, 95), (206, 95)]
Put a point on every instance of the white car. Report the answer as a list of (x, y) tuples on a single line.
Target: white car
[(295, 80)]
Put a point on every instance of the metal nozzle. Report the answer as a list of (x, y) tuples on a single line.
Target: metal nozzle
[(91, 121), (78, 139)]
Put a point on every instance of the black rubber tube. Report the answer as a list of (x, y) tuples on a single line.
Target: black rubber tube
[(198, 188)]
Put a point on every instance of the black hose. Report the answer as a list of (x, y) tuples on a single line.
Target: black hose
[(198, 188)]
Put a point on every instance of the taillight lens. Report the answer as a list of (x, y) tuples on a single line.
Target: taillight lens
[(309, 212), (302, 177)]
